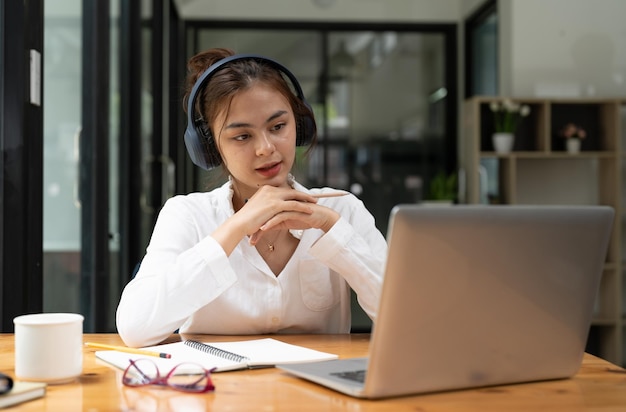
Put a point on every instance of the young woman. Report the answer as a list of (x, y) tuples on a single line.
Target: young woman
[(262, 253)]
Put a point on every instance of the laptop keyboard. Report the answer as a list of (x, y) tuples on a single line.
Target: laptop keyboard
[(358, 376)]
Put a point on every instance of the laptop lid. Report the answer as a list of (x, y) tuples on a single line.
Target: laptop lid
[(477, 296), (486, 295)]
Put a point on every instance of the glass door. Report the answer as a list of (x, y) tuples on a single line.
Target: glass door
[(62, 79), (103, 168), (80, 159)]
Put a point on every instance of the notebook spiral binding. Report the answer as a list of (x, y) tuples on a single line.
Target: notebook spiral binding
[(212, 350)]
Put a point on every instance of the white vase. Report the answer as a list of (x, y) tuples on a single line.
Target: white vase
[(572, 145), (502, 142)]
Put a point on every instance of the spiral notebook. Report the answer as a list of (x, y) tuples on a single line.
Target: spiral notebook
[(223, 356)]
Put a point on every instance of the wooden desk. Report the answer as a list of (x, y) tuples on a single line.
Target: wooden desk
[(598, 386)]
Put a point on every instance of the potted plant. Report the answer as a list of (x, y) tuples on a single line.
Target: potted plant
[(507, 116), (442, 189), (573, 134)]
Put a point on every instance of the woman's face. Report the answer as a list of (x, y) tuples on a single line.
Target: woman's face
[(257, 138)]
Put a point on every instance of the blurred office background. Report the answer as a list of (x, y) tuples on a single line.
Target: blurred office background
[(89, 162)]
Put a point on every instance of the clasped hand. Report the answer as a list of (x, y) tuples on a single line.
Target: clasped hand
[(273, 208)]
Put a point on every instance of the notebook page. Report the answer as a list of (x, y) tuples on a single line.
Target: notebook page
[(270, 352)]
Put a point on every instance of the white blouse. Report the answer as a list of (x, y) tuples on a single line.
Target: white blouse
[(187, 282)]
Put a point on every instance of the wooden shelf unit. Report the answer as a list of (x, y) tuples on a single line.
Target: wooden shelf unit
[(540, 171)]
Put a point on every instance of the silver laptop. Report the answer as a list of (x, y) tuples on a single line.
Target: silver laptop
[(477, 296)]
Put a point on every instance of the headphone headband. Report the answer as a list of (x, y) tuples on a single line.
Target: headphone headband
[(198, 139)]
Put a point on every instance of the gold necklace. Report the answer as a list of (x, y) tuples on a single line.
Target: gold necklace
[(270, 245)]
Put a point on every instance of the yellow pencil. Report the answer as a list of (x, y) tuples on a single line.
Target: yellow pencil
[(330, 194), (128, 350)]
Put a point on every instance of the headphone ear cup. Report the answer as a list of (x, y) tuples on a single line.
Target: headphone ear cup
[(200, 146), (306, 131), (306, 128)]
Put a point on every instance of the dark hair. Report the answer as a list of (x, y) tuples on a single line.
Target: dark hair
[(232, 78)]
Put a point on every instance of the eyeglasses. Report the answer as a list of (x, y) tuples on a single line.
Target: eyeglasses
[(185, 377), (6, 383)]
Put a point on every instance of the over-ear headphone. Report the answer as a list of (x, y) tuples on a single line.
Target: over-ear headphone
[(198, 138)]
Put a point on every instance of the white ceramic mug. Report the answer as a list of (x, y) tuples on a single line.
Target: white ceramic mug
[(49, 347)]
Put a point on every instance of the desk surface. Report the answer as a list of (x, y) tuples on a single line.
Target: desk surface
[(599, 385)]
